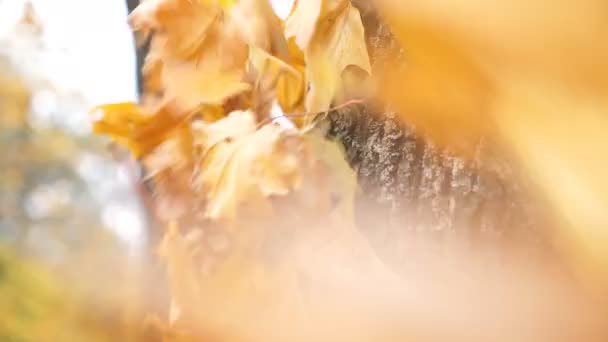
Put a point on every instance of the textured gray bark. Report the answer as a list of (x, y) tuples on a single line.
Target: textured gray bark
[(411, 189)]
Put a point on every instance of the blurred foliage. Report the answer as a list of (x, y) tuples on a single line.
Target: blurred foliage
[(36, 306), (40, 191), (60, 194)]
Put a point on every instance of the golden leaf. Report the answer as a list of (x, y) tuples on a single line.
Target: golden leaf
[(291, 88), (337, 42), (174, 153), (236, 124), (241, 163), (172, 20), (259, 26), (287, 81), (129, 125), (199, 58), (302, 21), (191, 85), (270, 56)]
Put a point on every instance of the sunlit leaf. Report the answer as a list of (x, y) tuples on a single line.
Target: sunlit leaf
[(129, 125), (242, 163), (287, 81), (302, 21), (259, 26), (204, 65), (335, 41)]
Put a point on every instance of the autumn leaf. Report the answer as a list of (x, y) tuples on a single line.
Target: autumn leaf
[(204, 65), (337, 41), (277, 71), (240, 163), (119, 121), (129, 125), (174, 153), (172, 21), (302, 21), (291, 91), (235, 124), (191, 85), (259, 26), (287, 81)]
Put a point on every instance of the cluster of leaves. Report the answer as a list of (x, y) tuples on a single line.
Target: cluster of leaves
[(219, 71), (230, 170), (216, 73)]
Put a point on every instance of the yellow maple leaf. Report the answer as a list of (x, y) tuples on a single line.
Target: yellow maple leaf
[(286, 80), (236, 124), (172, 21), (174, 153), (196, 55), (259, 26), (291, 89), (191, 85), (240, 162), (302, 21), (277, 69), (130, 125), (335, 41)]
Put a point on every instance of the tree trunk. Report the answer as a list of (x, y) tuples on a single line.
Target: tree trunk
[(412, 190), (141, 51)]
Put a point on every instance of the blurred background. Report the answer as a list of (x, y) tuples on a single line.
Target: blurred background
[(75, 232), (70, 212)]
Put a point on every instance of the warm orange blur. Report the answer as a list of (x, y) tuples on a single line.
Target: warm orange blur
[(530, 75)]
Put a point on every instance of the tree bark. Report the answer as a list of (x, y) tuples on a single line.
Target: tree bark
[(412, 190)]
